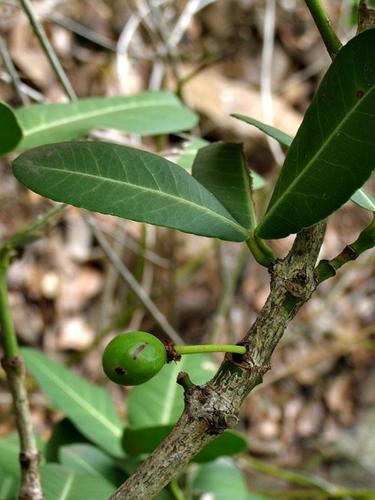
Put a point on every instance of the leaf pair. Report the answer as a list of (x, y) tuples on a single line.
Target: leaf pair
[(147, 113), (333, 153), (142, 186)]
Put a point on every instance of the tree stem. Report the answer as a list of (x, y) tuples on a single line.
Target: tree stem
[(329, 37)]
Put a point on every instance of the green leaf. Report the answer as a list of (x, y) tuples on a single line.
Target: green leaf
[(333, 152), (223, 480), (364, 200), (86, 404), (277, 134), (227, 444), (11, 132), (360, 197), (161, 400), (63, 433), (144, 441), (221, 168), (147, 113), (191, 148), (8, 486), (90, 460), (187, 157), (9, 455), (126, 182), (60, 483)]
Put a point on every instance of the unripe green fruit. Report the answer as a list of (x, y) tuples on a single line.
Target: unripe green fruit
[(133, 358)]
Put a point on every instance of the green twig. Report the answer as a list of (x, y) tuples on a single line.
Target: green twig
[(176, 490), (261, 251), (330, 39), (292, 476), (8, 332), (32, 231), (13, 364), (314, 494), (48, 50), (366, 240)]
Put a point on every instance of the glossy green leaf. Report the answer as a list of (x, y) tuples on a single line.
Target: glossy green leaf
[(221, 168), (188, 155), (86, 458), (364, 200), (60, 483), (334, 150), (87, 405), (161, 400), (277, 134), (223, 480), (144, 441), (360, 197), (11, 132), (147, 113), (126, 182)]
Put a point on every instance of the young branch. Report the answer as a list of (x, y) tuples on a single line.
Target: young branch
[(329, 37), (30, 487)]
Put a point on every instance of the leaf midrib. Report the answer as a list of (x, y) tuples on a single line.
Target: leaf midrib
[(93, 114), (67, 486), (170, 397), (81, 461), (153, 191), (116, 431), (313, 159)]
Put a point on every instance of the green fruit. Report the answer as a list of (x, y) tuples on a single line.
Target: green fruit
[(133, 358)]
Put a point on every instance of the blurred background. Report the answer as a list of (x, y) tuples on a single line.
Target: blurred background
[(315, 411)]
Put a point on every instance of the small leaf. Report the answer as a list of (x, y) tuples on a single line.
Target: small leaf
[(60, 483), (333, 152), (86, 404), (144, 441), (187, 158), (11, 132), (63, 433), (88, 459), (191, 148), (221, 168), (161, 400), (277, 134), (147, 113), (126, 182), (222, 479), (364, 200)]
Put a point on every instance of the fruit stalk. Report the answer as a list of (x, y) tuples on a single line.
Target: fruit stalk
[(199, 349)]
